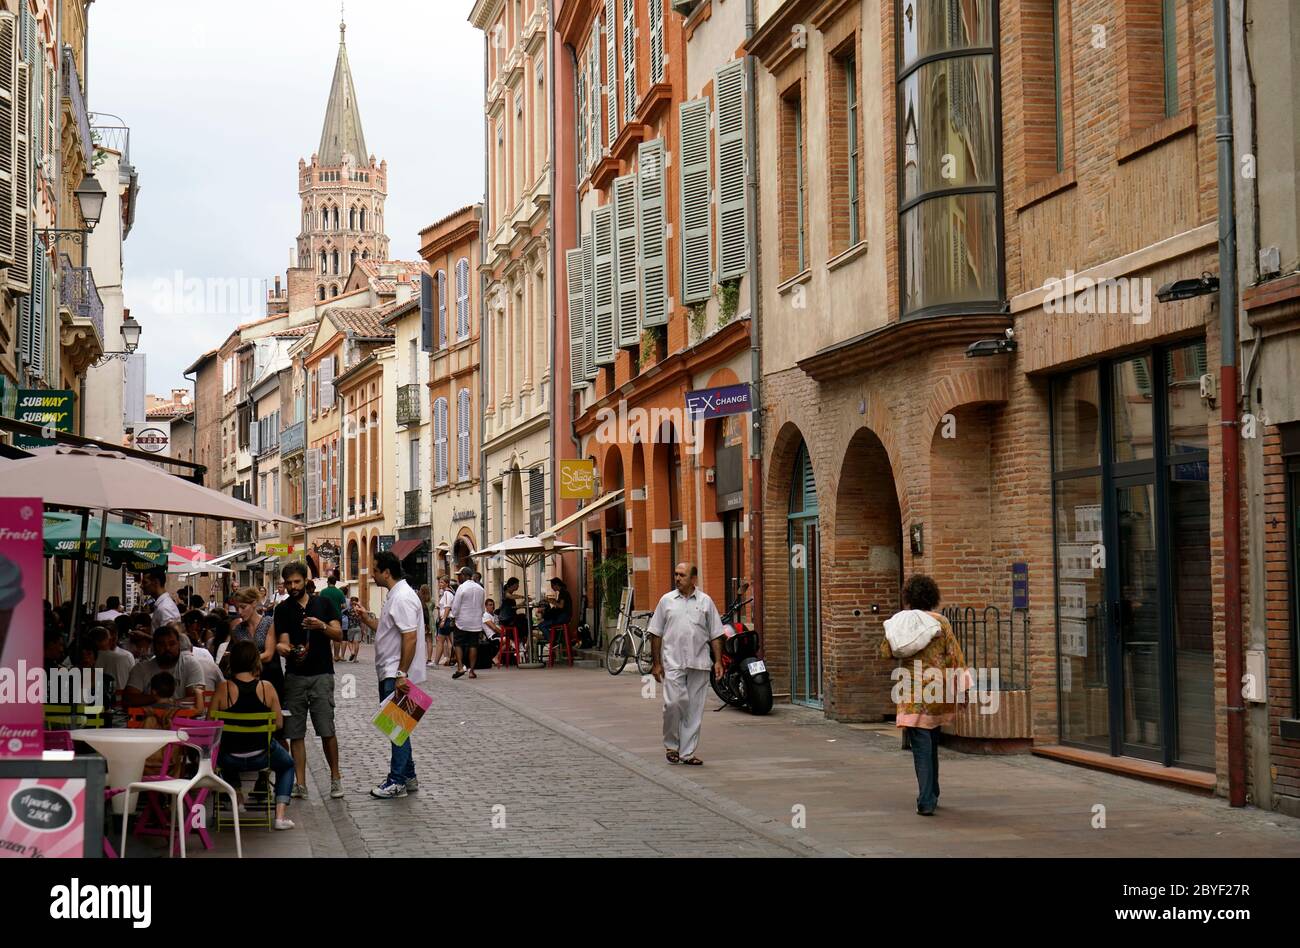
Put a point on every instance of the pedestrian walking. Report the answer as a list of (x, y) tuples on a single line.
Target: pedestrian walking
[(340, 603), (467, 621), (429, 608), (443, 653), (305, 626), (922, 637), (399, 661), (684, 630)]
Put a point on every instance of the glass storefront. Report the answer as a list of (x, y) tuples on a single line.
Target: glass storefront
[(1132, 536)]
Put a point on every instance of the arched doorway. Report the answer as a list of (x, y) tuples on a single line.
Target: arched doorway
[(609, 546), (804, 543), (462, 555)]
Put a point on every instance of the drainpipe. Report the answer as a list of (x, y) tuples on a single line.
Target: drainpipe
[(1228, 409), (194, 422), (483, 363), (755, 360), (575, 403)]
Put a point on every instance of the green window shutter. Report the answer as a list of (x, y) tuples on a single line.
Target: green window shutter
[(696, 242), (611, 73), (589, 301), (629, 60), (650, 227), (628, 305), (602, 229), (577, 334), (733, 229)]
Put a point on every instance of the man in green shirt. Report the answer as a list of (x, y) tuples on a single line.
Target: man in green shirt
[(339, 602)]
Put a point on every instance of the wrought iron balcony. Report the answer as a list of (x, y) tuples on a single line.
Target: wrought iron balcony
[(77, 103), (408, 404), (411, 512), (78, 293), (293, 439)]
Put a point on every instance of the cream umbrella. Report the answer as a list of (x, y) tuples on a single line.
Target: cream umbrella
[(526, 551)]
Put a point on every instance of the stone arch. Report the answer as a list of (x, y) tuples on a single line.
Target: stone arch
[(958, 389), (778, 481)]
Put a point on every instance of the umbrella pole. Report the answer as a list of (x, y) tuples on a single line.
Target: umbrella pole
[(99, 568), (528, 613), (80, 582)]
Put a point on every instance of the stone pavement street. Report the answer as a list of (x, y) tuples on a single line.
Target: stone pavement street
[(574, 758)]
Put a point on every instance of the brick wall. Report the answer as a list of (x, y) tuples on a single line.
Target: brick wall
[(1285, 754)]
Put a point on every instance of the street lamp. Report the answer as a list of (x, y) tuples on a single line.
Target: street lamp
[(130, 341), (90, 201)]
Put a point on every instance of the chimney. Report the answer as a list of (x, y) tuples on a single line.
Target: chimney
[(277, 286)]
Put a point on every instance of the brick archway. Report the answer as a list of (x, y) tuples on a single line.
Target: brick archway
[(778, 482)]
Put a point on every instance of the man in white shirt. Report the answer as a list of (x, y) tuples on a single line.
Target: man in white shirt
[(165, 612), (399, 660), (467, 619), (685, 628), (111, 612)]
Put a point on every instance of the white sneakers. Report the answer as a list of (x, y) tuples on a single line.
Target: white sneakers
[(285, 824)]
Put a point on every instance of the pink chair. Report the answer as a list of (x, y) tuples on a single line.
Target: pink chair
[(58, 741)]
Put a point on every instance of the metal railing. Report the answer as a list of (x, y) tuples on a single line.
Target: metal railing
[(116, 137), (990, 640), (293, 439), (408, 404), (72, 92), (78, 293), (411, 506)]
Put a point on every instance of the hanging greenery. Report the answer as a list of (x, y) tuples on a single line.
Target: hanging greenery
[(610, 575), (729, 299)]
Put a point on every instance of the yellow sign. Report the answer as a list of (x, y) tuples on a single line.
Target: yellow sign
[(279, 549), (577, 480)]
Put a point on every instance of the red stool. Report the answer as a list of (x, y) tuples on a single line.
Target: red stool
[(568, 642), (509, 644)]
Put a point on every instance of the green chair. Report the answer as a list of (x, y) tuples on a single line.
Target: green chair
[(251, 722), (67, 717)]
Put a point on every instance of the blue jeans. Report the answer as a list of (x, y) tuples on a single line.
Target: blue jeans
[(925, 756), (280, 761), (401, 766)]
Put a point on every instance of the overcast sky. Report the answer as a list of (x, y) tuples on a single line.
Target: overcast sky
[(222, 99)]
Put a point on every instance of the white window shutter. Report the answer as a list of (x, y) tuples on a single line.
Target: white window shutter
[(733, 227), (20, 274), (462, 298), (581, 121), (589, 303), (577, 309), (593, 59), (696, 245), (628, 287), (611, 73), (36, 312), (656, 41), (442, 309), (602, 228), (462, 435), (255, 437), (8, 131), (37, 69), (650, 227), (629, 60), (326, 380), (311, 469)]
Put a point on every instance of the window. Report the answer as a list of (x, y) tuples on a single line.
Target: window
[(793, 195), (352, 218), (352, 260), (949, 181), (844, 169), (1150, 38), (440, 442), (324, 262), (413, 463), (462, 298), (1041, 92), (415, 360), (442, 309), (462, 434), (335, 260), (361, 219), (850, 67), (320, 293), (1169, 49)]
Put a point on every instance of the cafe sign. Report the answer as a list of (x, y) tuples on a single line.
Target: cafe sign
[(279, 549), (577, 479), (153, 440), (51, 410)]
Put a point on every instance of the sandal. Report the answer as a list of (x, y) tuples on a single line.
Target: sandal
[(674, 757), (693, 761), (457, 674)]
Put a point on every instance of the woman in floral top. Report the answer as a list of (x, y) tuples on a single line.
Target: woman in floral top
[(927, 703)]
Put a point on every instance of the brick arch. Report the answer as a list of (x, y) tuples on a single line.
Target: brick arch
[(778, 480), (723, 376), (970, 387)]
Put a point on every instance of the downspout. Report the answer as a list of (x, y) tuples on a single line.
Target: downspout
[(755, 359), (576, 404), (194, 421), (1228, 407), (483, 362)]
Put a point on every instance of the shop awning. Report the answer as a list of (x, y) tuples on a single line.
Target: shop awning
[(404, 548), (231, 554), (608, 500)]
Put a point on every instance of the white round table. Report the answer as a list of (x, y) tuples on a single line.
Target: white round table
[(125, 749)]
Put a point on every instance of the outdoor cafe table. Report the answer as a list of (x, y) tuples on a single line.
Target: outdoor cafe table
[(125, 749)]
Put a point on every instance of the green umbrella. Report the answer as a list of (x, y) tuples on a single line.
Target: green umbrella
[(128, 546)]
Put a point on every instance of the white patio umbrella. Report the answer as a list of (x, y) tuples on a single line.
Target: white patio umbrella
[(89, 478), (526, 551)]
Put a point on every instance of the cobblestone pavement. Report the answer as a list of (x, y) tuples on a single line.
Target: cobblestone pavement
[(481, 763)]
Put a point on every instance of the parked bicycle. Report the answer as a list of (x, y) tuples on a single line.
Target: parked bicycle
[(632, 641)]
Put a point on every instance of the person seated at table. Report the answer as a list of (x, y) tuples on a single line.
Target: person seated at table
[(245, 693), (167, 657), (192, 644), (53, 646), (508, 614), (491, 642), (560, 612)]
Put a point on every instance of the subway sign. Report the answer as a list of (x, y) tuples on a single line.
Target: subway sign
[(50, 409)]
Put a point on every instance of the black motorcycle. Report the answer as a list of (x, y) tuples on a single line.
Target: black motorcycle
[(745, 681)]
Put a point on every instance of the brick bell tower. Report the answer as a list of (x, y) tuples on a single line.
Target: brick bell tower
[(342, 191)]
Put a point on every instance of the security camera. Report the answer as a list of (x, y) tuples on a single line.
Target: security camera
[(1011, 333)]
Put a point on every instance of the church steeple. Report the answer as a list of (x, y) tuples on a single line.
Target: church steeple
[(342, 133)]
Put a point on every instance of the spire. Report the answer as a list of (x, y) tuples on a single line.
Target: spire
[(342, 131)]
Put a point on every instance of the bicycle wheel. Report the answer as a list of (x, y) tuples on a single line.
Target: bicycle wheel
[(616, 654), (644, 656)]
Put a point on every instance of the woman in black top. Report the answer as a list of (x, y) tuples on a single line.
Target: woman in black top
[(508, 613), (560, 612), (244, 693)]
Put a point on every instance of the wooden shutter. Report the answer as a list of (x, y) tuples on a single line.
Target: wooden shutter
[(577, 307), (255, 436), (602, 229), (442, 309), (8, 131), (311, 471), (593, 60), (650, 227), (537, 491), (36, 69), (462, 435), (696, 245), (20, 274), (656, 41), (733, 226), (426, 312), (589, 302), (37, 301), (51, 120), (462, 298), (326, 382), (629, 60), (581, 123), (611, 72), (440, 442), (628, 289)]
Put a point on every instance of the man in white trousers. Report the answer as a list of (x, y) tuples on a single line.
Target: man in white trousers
[(685, 629)]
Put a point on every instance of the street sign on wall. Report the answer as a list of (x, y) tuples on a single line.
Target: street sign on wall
[(50, 409), (577, 479), (705, 403)]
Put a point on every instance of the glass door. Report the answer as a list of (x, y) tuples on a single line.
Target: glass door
[(804, 543), (1136, 617)]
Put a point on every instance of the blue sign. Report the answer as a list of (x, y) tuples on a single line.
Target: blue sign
[(1019, 585), (708, 403)]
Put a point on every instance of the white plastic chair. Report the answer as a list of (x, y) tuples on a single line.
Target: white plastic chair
[(181, 787)]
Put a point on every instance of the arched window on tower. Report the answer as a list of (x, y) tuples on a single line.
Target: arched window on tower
[(334, 289), (365, 254), (324, 218), (352, 218), (336, 218), (320, 293), (353, 261), (324, 262), (363, 219), (336, 262)]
